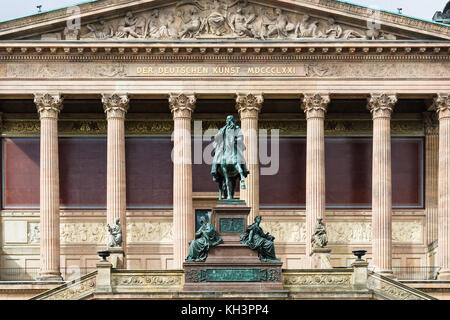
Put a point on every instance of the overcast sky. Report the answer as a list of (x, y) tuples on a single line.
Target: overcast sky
[(416, 8)]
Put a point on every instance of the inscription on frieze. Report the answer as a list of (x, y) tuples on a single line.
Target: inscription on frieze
[(263, 69), (194, 70), (231, 225), (233, 275)]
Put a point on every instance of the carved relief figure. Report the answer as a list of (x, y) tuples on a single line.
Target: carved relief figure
[(131, 26), (153, 28), (192, 25), (104, 31), (168, 29), (278, 25), (205, 238), (241, 25), (319, 239), (115, 234), (305, 29), (71, 34), (217, 18), (335, 31)]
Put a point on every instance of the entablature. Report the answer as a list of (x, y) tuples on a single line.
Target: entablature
[(229, 51)]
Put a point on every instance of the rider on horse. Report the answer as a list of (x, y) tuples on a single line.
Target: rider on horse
[(229, 162)]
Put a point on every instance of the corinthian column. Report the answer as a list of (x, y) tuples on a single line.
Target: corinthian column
[(315, 107), (182, 106), (442, 106), (431, 175), (249, 106), (381, 107), (49, 107), (116, 107)]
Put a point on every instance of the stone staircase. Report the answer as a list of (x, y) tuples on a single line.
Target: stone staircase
[(78, 289), (339, 283), (387, 289)]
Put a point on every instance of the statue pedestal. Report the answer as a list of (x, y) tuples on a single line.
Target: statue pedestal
[(321, 258), (232, 266), (117, 257)]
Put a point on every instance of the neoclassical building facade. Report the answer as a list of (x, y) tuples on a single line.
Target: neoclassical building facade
[(96, 101)]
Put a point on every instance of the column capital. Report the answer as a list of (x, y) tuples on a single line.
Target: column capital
[(441, 104), (381, 105), (431, 123), (115, 105), (315, 105), (48, 105), (249, 105), (182, 104)]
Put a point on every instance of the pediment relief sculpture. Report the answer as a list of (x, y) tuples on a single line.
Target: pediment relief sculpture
[(220, 19)]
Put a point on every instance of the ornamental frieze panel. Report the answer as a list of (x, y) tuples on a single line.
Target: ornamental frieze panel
[(142, 232), (82, 233), (345, 233), (96, 232), (219, 19), (286, 231), (292, 67), (151, 127), (147, 281), (294, 281)]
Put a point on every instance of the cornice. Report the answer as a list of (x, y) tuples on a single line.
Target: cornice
[(90, 10), (69, 51)]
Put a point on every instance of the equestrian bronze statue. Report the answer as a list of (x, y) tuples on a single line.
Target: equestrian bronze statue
[(229, 162)]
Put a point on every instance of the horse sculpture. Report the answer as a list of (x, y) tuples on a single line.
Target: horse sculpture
[(229, 162)]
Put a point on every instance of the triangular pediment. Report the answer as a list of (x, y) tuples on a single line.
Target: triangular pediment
[(126, 20)]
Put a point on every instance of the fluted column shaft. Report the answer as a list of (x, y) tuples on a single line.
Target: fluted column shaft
[(49, 107), (116, 107), (249, 107), (315, 107), (442, 105), (182, 106), (381, 107), (431, 175)]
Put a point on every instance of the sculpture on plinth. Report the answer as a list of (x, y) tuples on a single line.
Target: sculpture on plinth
[(256, 239), (205, 238), (320, 253), (319, 239), (229, 162), (115, 234)]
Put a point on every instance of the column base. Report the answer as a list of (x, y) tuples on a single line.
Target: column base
[(50, 276), (444, 274)]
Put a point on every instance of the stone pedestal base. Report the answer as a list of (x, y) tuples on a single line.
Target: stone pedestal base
[(203, 276), (232, 266), (103, 281), (360, 274), (320, 258), (117, 258)]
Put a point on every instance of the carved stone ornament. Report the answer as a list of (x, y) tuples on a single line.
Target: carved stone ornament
[(182, 105), (381, 105), (216, 19), (115, 105), (48, 105), (248, 104), (442, 105), (315, 105), (431, 123)]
